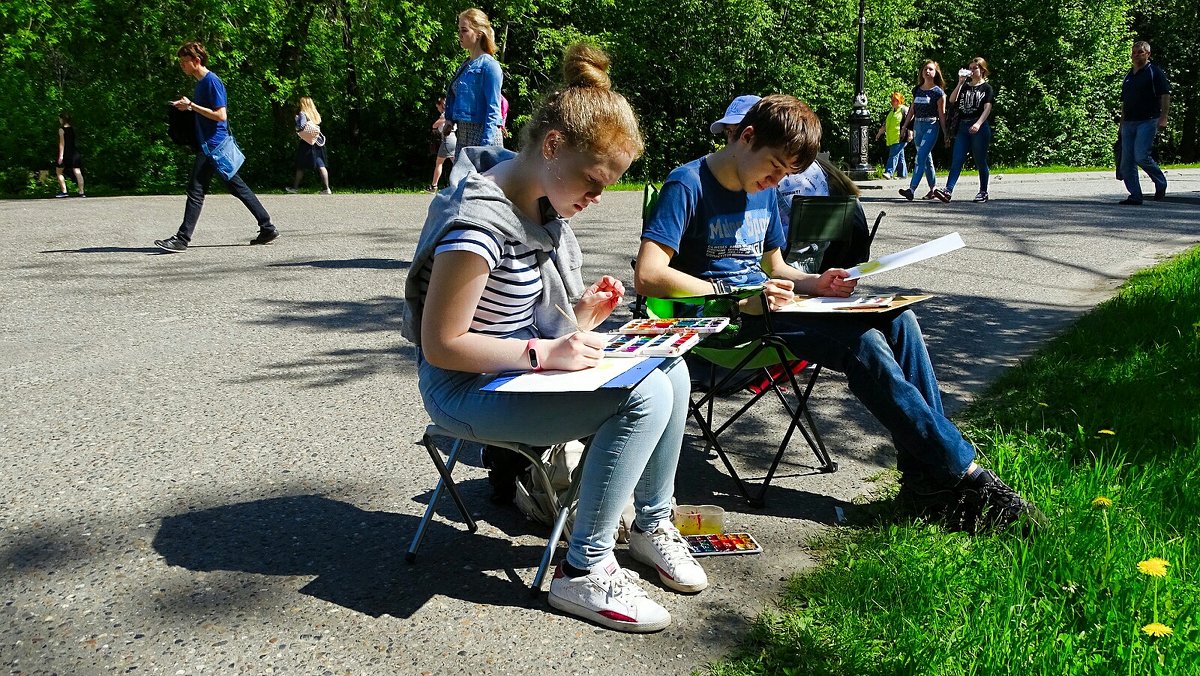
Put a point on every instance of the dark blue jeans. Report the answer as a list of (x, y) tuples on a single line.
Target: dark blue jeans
[(977, 143), (1137, 138), (887, 367), (202, 173)]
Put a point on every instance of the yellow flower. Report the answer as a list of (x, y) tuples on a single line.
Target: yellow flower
[(1157, 629), (1101, 502), (1154, 567), (1108, 432)]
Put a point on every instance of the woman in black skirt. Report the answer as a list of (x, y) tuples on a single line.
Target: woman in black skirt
[(68, 158), (310, 155)]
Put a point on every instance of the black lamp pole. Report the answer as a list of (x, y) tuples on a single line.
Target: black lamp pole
[(860, 119)]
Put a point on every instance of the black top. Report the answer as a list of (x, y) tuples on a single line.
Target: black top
[(971, 99), (69, 149), (1141, 93)]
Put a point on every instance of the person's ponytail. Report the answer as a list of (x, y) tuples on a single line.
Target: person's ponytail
[(585, 110)]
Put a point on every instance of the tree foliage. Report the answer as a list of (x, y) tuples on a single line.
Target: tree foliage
[(375, 69)]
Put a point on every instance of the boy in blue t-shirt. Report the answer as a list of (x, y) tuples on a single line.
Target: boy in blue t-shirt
[(716, 227), (209, 103)]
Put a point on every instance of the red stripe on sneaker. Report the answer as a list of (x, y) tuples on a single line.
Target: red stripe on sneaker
[(663, 572), (614, 615)]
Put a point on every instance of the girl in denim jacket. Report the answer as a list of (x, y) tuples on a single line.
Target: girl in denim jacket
[(473, 96)]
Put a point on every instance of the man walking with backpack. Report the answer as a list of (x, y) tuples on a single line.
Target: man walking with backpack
[(1145, 101), (209, 103)]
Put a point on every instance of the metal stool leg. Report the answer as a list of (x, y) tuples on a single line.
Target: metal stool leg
[(548, 554), (444, 479)]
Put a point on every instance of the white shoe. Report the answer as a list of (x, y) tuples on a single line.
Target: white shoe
[(290, 190), (666, 550), (326, 191), (609, 596)]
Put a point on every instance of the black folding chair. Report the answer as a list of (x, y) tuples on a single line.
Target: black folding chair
[(829, 232)]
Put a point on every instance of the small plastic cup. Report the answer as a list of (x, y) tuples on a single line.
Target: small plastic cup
[(699, 519)]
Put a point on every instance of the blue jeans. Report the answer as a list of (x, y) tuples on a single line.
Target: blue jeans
[(636, 437), (925, 135), (977, 143), (1136, 140), (896, 166), (887, 367), (202, 173)]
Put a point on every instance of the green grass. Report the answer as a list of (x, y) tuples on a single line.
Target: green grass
[(899, 598)]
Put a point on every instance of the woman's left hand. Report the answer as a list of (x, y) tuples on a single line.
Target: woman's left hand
[(974, 128), (599, 300)]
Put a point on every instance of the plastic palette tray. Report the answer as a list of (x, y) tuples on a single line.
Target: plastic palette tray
[(701, 325), (661, 345), (723, 544)]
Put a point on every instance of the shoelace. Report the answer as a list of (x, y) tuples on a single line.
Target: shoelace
[(624, 584), (672, 546)]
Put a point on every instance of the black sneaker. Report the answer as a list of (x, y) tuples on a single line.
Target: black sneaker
[(943, 195), (989, 504), (1130, 201), (981, 196), (172, 244), (907, 193), (265, 237), (1159, 193)]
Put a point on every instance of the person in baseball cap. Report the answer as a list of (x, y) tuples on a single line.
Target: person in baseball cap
[(733, 115)]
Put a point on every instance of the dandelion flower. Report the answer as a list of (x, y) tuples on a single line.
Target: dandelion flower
[(1107, 432), (1157, 630), (1101, 502), (1154, 567)]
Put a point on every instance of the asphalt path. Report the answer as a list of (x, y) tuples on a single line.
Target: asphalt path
[(210, 459)]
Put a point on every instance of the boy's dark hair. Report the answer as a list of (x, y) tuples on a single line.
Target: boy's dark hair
[(785, 122), (194, 49)]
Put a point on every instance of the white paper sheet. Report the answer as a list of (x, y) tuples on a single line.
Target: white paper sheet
[(915, 254), (586, 380), (826, 304)]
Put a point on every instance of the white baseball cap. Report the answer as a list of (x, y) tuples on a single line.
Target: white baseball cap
[(734, 113)]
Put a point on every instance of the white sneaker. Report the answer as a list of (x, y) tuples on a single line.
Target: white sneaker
[(666, 550), (290, 190), (326, 191), (608, 596)]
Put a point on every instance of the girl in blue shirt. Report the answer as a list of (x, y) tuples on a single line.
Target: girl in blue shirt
[(473, 96)]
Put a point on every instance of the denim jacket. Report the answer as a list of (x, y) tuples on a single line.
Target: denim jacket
[(474, 94)]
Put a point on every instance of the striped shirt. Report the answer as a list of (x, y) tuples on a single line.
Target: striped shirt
[(513, 285)]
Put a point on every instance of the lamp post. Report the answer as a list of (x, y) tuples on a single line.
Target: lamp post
[(860, 119)]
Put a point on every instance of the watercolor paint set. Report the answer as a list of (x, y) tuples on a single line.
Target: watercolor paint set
[(700, 325), (661, 345), (722, 544)]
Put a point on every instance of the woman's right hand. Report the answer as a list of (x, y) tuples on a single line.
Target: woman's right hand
[(572, 352)]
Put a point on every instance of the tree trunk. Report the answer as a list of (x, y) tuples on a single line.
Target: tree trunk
[(353, 96)]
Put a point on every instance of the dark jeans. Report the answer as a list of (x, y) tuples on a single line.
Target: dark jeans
[(202, 173), (887, 367), (977, 144)]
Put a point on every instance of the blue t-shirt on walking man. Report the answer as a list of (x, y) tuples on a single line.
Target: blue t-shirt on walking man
[(726, 231), (210, 93)]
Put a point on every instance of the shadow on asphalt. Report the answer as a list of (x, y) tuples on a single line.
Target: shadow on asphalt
[(356, 556), (108, 249), (348, 263)]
